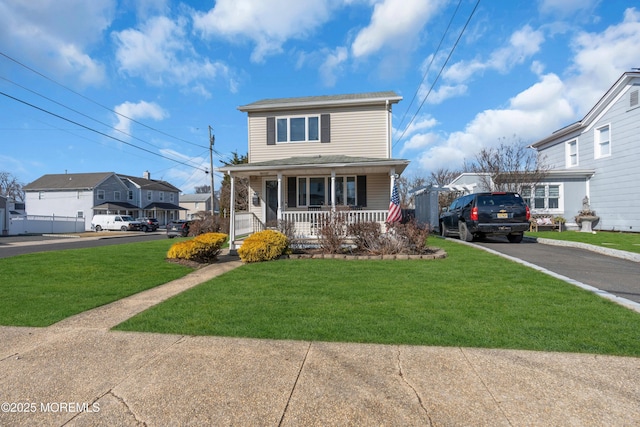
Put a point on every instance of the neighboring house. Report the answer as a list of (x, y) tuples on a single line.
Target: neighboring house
[(312, 155), (4, 216), (597, 157), (194, 203), (83, 195)]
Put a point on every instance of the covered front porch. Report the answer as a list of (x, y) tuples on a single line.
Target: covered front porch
[(306, 191)]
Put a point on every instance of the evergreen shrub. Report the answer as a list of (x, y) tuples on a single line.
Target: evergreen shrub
[(263, 246), (203, 248)]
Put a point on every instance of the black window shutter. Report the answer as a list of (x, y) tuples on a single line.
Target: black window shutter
[(362, 190), (325, 128), (291, 191), (271, 131)]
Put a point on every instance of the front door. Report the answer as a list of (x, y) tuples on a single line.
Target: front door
[(271, 197)]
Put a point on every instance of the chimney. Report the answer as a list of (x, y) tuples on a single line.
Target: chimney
[(146, 175)]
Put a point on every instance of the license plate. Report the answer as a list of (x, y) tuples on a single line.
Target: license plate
[(503, 215)]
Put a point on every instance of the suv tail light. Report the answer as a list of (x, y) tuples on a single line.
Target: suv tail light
[(528, 212), (474, 214)]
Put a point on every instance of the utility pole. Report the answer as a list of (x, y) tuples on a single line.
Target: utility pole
[(212, 139)]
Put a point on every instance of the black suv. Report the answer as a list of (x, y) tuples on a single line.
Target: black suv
[(484, 214), (148, 224)]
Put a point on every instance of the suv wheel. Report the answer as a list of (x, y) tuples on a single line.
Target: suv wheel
[(464, 232), (514, 238), (123, 228), (145, 228), (443, 231)]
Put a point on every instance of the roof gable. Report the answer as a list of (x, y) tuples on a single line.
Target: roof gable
[(607, 100), (150, 184)]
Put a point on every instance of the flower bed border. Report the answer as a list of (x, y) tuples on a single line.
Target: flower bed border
[(438, 254)]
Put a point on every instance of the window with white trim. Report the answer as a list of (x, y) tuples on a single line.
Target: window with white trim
[(80, 214), (100, 194), (542, 197), (130, 195), (171, 197), (602, 140), (116, 195), (572, 153), (161, 195), (298, 129), (316, 191), (149, 195)]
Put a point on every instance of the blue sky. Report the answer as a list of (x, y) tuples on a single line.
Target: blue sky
[(72, 70)]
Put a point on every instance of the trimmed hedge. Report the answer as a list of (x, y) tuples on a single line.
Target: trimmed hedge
[(203, 248), (263, 246)]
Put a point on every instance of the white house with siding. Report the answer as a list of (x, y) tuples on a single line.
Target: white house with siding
[(317, 154)]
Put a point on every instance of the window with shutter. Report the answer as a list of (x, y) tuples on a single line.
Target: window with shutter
[(633, 98)]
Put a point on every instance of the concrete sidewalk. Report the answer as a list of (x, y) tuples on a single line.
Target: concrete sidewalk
[(77, 373)]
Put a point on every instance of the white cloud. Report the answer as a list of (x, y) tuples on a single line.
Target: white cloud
[(268, 24), (600, 59), (332, 65), (137, 111), (393, 22), (160, 53), (530, 115), (40, 33)]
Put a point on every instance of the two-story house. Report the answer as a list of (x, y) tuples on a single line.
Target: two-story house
[(596, 157), (83, 195), (317, 154)]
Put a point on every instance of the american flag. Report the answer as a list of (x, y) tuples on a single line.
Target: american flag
[(395, 214)]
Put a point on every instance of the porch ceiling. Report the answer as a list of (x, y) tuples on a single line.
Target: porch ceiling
[(317, 165)]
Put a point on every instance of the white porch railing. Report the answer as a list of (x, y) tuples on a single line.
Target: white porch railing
[(307, 223), (247, 223)]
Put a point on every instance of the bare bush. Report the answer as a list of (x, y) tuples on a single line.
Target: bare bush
[(333, 236), (412, 235), (366, 235), (207, 223), (288, 228)]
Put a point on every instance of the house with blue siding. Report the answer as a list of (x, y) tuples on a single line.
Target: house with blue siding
[(598, 158)]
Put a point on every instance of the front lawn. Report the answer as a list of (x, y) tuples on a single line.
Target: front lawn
[(629, 242), (43, 288), (471, 299)]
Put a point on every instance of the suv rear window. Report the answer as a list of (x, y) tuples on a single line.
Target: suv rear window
[(499, 200)]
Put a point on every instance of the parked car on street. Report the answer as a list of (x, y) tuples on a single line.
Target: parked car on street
[(475, 216), (114, 222), (148, 224), (178, 228)]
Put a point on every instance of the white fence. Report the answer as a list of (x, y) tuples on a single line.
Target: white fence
[(39, 224)]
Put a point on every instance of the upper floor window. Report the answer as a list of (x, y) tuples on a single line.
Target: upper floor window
[(602, 141), (100, 194), (572, 153), (298, 129), (149, 195), (116, 195), (171, 198), (130, 195), (161, 195)]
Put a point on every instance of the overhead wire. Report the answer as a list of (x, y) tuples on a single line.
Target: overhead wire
[(97, 103), (96, 131), (439, 73)]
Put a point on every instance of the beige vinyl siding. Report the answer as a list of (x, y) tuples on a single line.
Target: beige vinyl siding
[(361, 132), (378, 191)]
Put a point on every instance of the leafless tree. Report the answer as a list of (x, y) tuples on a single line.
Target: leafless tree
[(443, 176), (509, 166), (10, 187), (405, 185)]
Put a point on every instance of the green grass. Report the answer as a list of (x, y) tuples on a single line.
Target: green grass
[(42, 288), (471, 299), (629, 242)]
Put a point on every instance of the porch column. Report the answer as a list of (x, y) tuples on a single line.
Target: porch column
[(232, 214), (333, 190), (279, 211), (392, 174)]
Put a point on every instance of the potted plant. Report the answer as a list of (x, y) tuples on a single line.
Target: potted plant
[(586, 218)]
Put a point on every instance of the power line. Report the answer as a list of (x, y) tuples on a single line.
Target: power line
[(453, 48), (97, 131), (433, 57), (97, 103)]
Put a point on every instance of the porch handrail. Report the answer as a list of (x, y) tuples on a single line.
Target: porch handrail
[(307, 223), (247, 223)]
